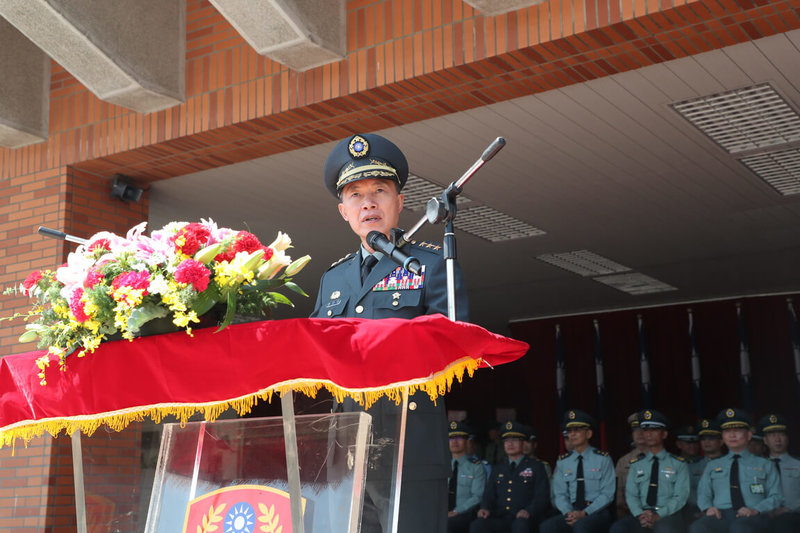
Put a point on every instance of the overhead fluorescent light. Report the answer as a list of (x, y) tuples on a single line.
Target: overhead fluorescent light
[(583, 263), (745, 119), (635, 283), (780, 169), (418, 191), (492, 225)]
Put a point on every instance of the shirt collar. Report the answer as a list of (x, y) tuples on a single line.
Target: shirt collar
[(364, 253)]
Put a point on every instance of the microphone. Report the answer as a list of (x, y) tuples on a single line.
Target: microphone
[(378, 241)]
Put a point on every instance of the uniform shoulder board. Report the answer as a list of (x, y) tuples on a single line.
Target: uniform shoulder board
[(601, 452), (564, 456), (342, 260), (475, 461), (634, 459), (543, 461), (679, 457), (431, 246)]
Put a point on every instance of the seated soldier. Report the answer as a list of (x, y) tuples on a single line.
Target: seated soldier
[(583, 482), (467, 482), (658, 484), (786, 518), (516, 494)]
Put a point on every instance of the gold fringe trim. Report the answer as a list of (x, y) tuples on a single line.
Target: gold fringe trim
[(435, 386)]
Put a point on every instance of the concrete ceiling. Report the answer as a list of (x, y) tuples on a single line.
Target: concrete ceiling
[(605, 166)]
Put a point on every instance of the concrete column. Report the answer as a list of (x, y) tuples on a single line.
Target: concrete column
[(128, 52), (498, 7), (300, 34), (24, 89)]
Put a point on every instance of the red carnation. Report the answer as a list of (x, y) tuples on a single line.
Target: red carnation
[(93, 277), (246, 242), (32, 279), (134, 280), (194, 237), (268, 252), (76, 306), (100, 244), (194, 273)]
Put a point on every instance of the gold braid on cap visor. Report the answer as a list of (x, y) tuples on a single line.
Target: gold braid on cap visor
[(376, 170)]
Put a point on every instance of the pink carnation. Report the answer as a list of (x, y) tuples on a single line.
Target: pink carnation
[(100, 244), (76, 306), (93, 277), (32, 279), (134, 280), (194, 273)]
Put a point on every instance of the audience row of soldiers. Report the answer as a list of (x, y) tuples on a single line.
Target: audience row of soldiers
[(727, 488)]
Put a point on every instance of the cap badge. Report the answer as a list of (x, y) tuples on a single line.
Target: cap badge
[(729, 413), (453, 425), (704, 423), (358, 147), (648, 415), (773, 419), (509, 425), (572, 415)]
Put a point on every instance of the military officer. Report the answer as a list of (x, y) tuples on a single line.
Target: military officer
[(529, 449), (583, 482), (516, 494), (739, 489), (710, 440), (466, 483), (624, 463), (688, 443), (786, 518), (658, 484), (366, 173)]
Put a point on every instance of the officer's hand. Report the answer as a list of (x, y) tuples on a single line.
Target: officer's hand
[(574, 516), (745, 511), (713, 511), (523, 514), (483, 513), (451, 513)]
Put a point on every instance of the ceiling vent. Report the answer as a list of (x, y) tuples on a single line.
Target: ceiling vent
[(745, 119), (635, 283), (583, 263), (479, 220), (779, 169)]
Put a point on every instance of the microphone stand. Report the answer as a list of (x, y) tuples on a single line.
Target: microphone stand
[(443, 209)]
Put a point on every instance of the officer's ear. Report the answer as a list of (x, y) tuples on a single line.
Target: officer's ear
[(589, 434)]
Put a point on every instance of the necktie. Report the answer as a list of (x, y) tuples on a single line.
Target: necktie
[(736, 493), (580, 491), (366, 266), (652, 490), (451, 487), (777, 461)]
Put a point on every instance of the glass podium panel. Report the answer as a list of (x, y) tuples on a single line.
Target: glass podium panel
[(230, 476)]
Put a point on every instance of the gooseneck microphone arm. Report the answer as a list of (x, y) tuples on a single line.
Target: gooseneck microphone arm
[(378, 241), (47, 232)]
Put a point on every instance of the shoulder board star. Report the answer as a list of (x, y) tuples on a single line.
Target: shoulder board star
[(428, 245), (342, 260), (564, 456), (601, 452), (475, 461), (543, 461)]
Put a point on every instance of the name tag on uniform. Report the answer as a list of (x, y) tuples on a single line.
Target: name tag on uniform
[(401, 279), (640, 473), (757, 488)]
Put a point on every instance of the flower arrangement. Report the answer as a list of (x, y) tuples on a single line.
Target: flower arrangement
[(114, 285)]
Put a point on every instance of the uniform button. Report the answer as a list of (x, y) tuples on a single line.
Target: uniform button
[(412, 406), (395, 303), (359, 309), (330, 313), (509, 490), (508, 499), (508, 508)]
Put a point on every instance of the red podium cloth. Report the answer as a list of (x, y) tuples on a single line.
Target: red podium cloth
[(175, 374)]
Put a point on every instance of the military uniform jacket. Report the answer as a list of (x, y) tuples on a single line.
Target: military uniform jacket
[(621, 470), (598, 473), (758, 479), (341, 295), (470, 483), (696, 470), (673, 484), (523, 487), (790, 481)]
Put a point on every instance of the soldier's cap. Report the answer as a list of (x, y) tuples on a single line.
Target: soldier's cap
[(532, 435), (756, 435), (652, 419), (709, 427), (633, 420), (732, 418), (772, 422), (687, 434), (575, 418), (364, 156), (514, 430), (459, 429)]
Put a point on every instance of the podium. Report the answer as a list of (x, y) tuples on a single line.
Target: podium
[(177, 375)]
